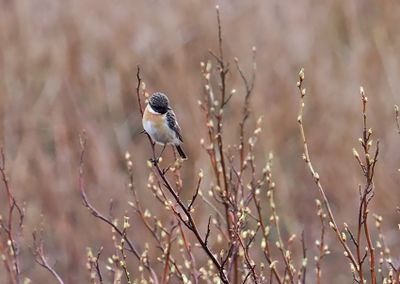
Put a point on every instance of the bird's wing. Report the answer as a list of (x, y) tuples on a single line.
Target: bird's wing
[(173, 124)]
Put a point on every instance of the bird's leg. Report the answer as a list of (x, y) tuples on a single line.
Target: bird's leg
[(162, 151), (155, 161), (153, 147)]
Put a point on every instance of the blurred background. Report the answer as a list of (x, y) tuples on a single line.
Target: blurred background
[(71, 65)]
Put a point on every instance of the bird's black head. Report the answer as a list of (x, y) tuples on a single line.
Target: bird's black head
[(159, 102)]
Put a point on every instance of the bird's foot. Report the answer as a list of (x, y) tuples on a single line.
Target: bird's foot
[(154, 161)]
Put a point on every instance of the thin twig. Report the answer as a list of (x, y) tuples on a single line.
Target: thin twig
[(315, 175), (100, 216), (397, 118), (41, 259), (322, 249), (304, 262), (8, 228), (196, 193), (166, 269), (98, 271), (369, 186), (266, 250)]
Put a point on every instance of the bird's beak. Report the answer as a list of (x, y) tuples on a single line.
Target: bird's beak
[(169, 108)]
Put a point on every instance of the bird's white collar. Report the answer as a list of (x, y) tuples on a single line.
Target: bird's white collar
[(151, 110)]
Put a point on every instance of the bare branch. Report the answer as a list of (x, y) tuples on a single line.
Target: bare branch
[(40, 256), (304, 261), (100, 216), (208, 231), (98, 266), (315, 175), (195, 193), (397, 118), (14, 210)]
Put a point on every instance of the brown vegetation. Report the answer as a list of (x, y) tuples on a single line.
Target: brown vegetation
[(71, 101)]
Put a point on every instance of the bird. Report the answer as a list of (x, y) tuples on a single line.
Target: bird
[(159, 122)]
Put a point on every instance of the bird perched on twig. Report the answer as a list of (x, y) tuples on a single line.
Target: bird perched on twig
[(159, 121)]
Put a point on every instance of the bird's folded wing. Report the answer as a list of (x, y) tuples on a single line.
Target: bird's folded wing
[(173, 124)]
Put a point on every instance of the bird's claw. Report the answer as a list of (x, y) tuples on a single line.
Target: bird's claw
[(154, 161)]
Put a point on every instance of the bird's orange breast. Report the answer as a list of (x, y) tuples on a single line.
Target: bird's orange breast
[(156, 126), (157, 120)]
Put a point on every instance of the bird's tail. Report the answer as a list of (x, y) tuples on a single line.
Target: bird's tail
[(180, 151)]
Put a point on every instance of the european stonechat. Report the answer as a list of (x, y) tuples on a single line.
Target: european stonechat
[(159, 121)]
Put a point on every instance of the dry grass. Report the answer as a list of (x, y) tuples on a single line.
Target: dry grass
[(71, 65)]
